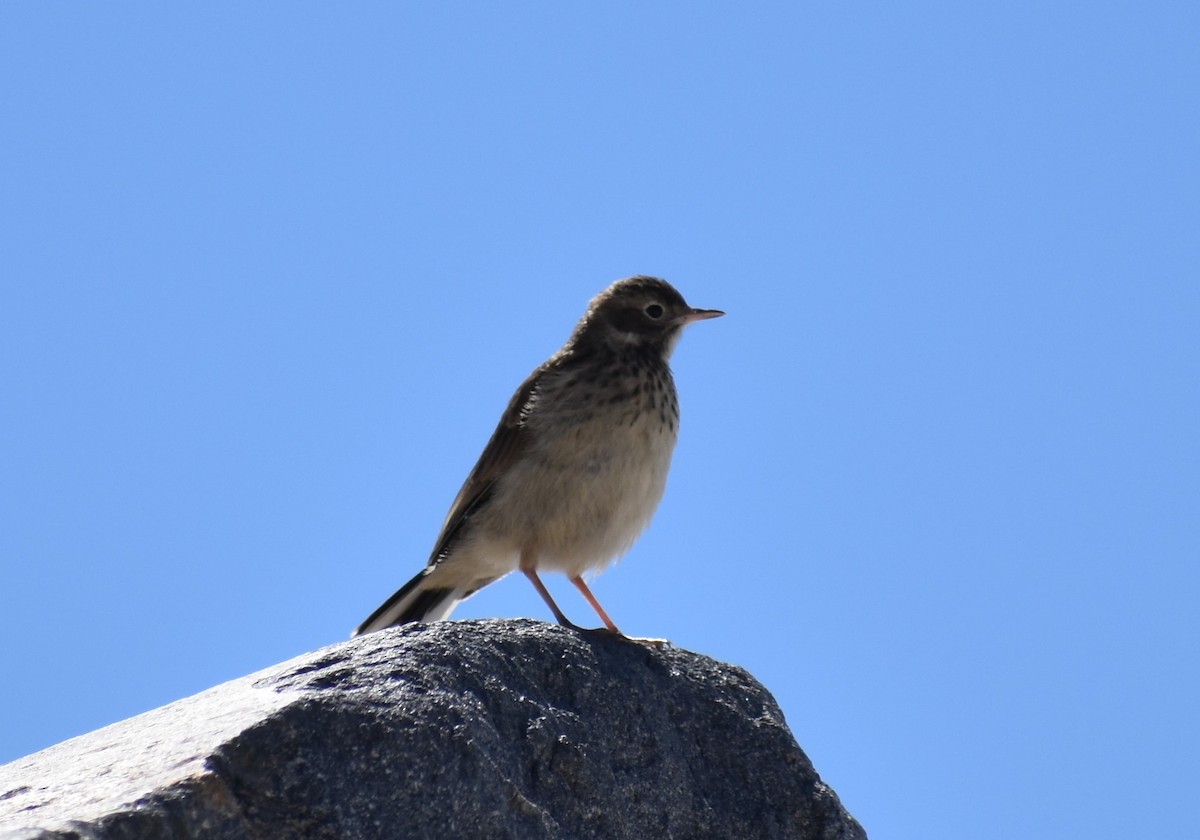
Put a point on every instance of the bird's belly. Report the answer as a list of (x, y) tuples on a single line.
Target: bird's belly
[(581, 503)]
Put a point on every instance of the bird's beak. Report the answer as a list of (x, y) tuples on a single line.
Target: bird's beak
[(700, 315)]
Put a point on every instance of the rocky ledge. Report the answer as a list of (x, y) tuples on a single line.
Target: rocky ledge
[(465, 729)]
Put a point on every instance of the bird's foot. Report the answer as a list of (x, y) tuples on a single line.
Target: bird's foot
[(657, 644), (613, 633)]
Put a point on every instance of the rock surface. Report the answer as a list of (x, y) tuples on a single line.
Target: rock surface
[(468, 729)]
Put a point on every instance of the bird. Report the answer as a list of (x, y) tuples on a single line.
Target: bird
[(576, 466)]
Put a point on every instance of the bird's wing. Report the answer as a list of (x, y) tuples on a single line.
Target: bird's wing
[(506, 446)]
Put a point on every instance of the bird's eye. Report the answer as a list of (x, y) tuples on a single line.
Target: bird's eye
[(654, 311)]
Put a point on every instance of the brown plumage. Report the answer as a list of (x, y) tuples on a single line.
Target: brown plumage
[(576, 466)]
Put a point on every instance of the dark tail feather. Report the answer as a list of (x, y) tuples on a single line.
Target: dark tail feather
[(412, 602)]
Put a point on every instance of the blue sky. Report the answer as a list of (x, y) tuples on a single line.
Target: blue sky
[(270, 275)]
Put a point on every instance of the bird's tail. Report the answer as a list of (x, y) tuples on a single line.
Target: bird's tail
[(417, 600)]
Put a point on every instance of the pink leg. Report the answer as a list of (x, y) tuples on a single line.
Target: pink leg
[(591, 599), (545, 593)]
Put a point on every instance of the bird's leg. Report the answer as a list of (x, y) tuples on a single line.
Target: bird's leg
[(591, 599), (608, 622), (545, 593)]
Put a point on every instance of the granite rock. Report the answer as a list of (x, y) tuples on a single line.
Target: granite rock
[(465, 729)]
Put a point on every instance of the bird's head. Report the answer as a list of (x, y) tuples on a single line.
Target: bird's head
[(638, 312)]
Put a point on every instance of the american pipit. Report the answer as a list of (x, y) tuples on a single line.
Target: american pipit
[(576, 467)]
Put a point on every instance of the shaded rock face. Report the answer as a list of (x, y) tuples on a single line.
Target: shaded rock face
[(470, 729)]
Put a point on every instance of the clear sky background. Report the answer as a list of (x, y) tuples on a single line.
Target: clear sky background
[(270, 273)]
